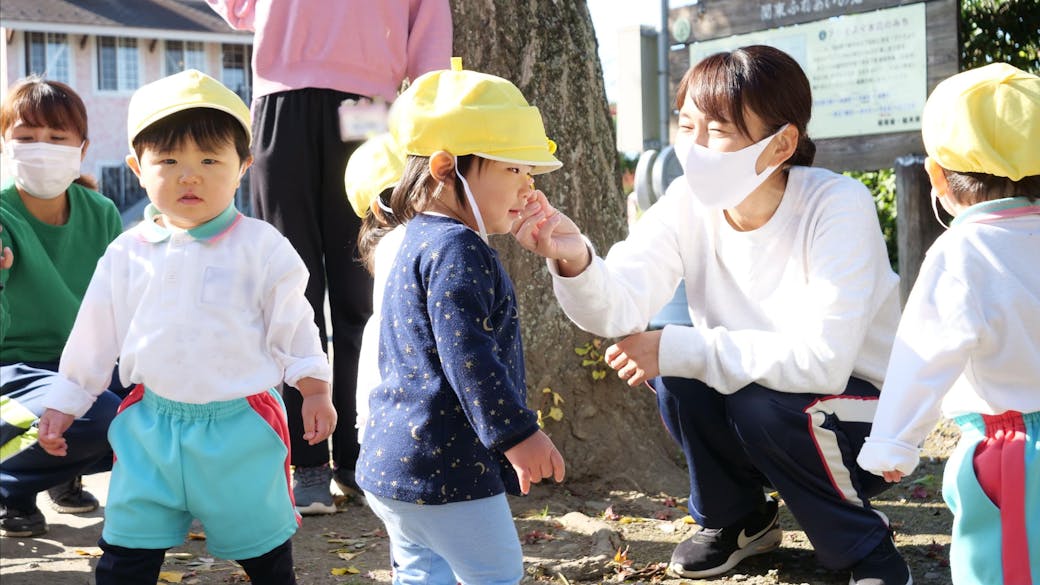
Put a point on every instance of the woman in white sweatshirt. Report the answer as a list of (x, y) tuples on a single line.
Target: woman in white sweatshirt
[(794, 306)]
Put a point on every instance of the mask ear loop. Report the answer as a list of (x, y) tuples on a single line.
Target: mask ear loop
[(935, 210), (472, 203)]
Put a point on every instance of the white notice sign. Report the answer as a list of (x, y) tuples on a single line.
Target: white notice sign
[(868, 71)]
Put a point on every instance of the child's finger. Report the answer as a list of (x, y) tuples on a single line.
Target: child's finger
[(525, 479), (558, 465)]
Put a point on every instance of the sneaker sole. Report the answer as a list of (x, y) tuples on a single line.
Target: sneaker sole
[(22, 533), (852, 581), (316, 509), (768, 542), (73, 509)]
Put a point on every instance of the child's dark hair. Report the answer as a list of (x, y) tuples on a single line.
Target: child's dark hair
[(39, 102), (970, 188), (209, 128), (412, 195)]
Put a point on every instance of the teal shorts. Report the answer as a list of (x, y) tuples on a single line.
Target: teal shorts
[(225, 463)]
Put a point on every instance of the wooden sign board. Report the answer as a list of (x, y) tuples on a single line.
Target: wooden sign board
[(899, 51)]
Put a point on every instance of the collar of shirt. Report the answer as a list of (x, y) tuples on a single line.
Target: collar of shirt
[(997, 209), (210, 231)]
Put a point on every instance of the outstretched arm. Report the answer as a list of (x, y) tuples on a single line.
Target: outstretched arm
[(545, 231)]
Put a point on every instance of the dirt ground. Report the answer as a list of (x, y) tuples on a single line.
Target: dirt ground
[(572, 534)]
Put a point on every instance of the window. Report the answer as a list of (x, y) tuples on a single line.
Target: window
[(119, 184), (47, 55), (182, 55), (235, 72), (117, 64)]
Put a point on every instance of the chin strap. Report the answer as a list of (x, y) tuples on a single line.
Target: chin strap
[(472, 203)]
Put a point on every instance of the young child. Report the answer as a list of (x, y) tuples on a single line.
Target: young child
[(450, 431), (205, 310), (968, 344), (373, 170), (56, 226)]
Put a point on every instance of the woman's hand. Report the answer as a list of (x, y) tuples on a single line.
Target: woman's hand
[(545, 231), (635, 357)]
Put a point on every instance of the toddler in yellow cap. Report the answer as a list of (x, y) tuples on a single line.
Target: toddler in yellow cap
[(204, 309), (968, 344), (449, 431)]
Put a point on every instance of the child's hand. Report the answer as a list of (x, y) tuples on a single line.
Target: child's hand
[(6, 256), (536, 458), (51, 431), (635, 358), (892, 476), (545, 231), (319, 416)]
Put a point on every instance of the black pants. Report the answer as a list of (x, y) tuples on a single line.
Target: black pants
[(297, 186), (140, 566), (804, 445)]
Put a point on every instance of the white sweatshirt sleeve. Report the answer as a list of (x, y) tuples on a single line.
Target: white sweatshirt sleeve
[(92, 347), (935, 338)]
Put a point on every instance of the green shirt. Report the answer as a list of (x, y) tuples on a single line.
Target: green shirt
[(52, 268)]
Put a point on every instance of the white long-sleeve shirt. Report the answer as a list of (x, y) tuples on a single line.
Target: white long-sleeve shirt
[(969, 340), (797, 305), (194, 320)]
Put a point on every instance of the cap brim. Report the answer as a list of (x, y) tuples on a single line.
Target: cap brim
[(541, 165)]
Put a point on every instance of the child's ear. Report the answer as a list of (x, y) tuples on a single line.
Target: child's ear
[(248, 162), (936, 176), (135, 166), (442, 164)]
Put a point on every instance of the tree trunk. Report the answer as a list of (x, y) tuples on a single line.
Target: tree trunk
[(608, 432)]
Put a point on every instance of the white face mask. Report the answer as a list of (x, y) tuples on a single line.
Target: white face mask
[(721, 180), (935, 209), (42, 169)]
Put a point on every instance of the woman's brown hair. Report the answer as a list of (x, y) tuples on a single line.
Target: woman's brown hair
[(759, 78), (42, 102)]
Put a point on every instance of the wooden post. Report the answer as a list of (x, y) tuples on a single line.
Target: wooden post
[(916, 227)]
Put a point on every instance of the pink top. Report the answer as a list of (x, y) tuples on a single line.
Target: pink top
[(365, 47)]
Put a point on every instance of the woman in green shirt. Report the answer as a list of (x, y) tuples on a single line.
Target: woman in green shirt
[(55, 227)]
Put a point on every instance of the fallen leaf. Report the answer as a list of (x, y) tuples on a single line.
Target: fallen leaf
[(347, 556), (556, 414), (196, 536), (171, 576), (91, 552), (352, 570)]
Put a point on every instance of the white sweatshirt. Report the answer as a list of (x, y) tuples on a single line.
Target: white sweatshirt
[(194, 320), (969, 340), (797, 305)]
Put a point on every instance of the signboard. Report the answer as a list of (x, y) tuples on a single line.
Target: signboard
[(871, 64), (868, 71)]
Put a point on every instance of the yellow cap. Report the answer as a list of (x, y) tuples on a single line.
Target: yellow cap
[(466, 112), (178, 92), (374, 166), (985, 120)]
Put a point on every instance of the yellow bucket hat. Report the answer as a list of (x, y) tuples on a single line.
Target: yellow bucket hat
[(374, 166), (467, 112), (178, 92), (985, 120)]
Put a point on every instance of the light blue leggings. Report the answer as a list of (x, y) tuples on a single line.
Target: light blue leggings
[(472, 542)]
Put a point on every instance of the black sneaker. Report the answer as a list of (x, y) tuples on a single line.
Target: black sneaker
[(344, 479), (883, 566), (71, 498), (21, 523), (713, 551)]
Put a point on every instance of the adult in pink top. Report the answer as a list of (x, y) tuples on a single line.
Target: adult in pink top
[(308, 57)]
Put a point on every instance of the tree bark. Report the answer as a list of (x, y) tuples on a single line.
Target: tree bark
[(609, 432)]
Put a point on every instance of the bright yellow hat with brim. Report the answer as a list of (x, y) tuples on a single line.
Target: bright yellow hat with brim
[(178, 92), (374, 167), (985, 120), (467, 112)]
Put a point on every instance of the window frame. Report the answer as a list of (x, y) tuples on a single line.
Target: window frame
[(123, 86), (70, 64)]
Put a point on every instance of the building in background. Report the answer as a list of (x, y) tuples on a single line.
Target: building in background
[(106, 49)]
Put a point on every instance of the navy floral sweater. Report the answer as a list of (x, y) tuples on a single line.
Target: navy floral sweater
[(453, 399)]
